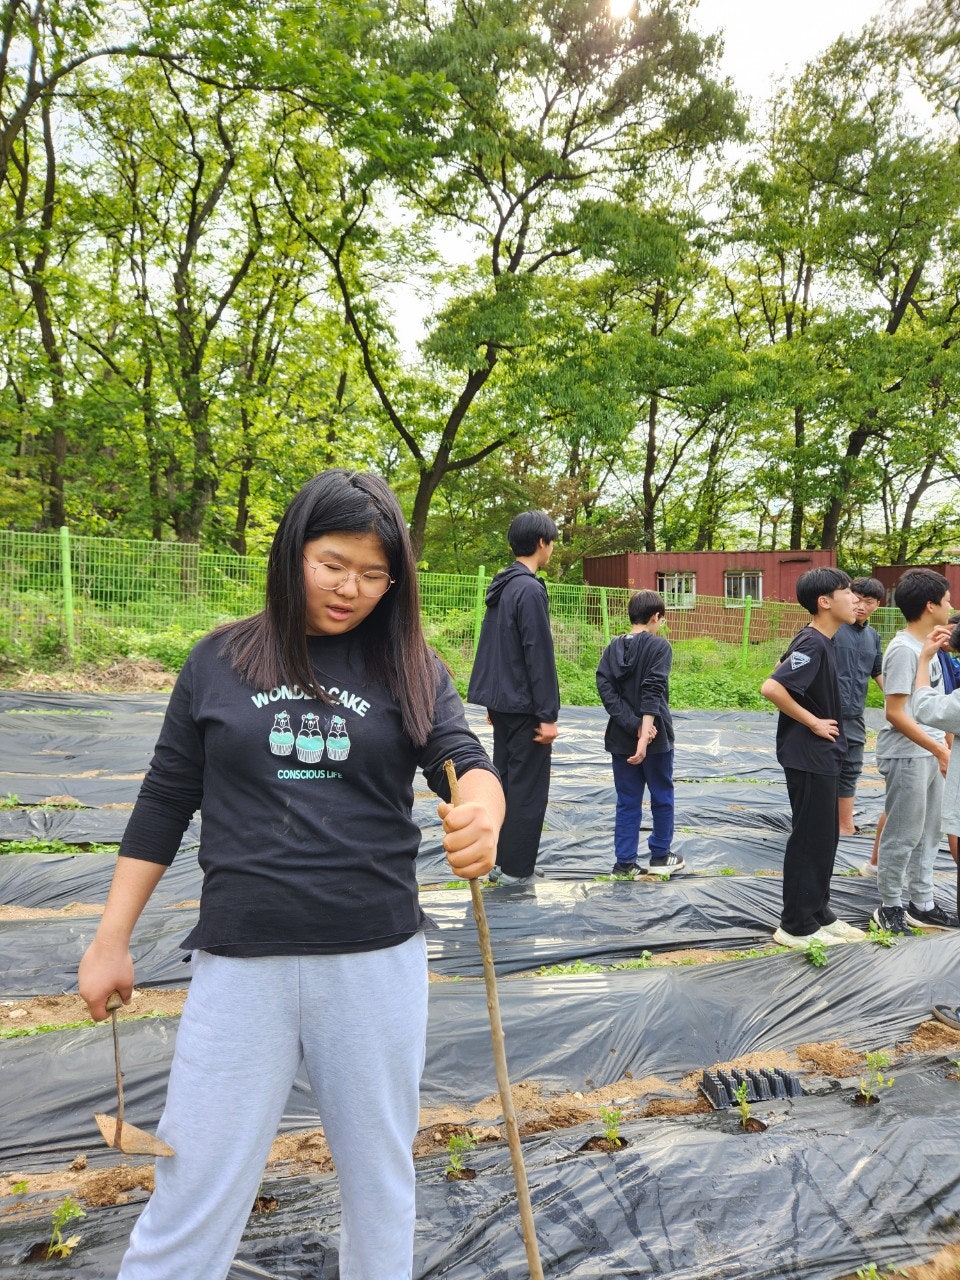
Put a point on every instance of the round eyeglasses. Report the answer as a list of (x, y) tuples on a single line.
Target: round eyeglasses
[(329, 577)]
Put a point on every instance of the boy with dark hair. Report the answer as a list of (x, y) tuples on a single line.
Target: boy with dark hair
[(913, 759), (515, 677), (811, 746), (859, 655), (633, 683)]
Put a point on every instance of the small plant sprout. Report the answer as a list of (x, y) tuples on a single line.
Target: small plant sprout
[(743, 1105), (65, 1212), (458, 1144), (19, 1188), (874, 1080), (610, 1118), (816, 953)]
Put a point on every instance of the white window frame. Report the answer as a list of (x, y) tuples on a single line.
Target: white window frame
[(679, 589), (740, 577)]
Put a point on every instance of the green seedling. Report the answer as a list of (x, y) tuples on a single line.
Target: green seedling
[(610, 1118), (10, 801), (20, 1188), (743, 1105), (728, 871), (65, 1212), (871, 1272), (816, 953), (457, 884), (458, 1144), (882, 937), (875, 1080)]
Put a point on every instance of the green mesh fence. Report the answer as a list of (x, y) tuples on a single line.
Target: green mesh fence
[(86, 596)]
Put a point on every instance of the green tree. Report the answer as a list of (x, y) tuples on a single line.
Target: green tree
[(550, 103)]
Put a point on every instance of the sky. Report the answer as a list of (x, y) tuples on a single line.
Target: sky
[(765, 39)]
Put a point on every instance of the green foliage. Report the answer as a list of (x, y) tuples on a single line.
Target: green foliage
[(19, 1188), (53, 846), (562, 970), (10, 801), (610, 1118), (817, 953), (874, 1080), (643, 961), (882, 937)]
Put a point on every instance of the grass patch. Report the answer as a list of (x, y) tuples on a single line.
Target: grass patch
[(53, 846)]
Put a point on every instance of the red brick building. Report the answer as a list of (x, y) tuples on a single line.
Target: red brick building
[(889, 575), (681, 576)]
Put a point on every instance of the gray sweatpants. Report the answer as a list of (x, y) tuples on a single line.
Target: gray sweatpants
[(911, 835), (358, 1021)]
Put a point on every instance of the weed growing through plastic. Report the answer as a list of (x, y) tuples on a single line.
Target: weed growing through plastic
[(816, 953), (610, 1118), (10, 801), (53, 846), (20, 1188), (743, 1105), (875, 1080), (458, 1144), (728, 871), (870, 1272), (65, 1212)]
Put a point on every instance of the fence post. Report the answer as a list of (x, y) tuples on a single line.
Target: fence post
[(745, 638), (67, 579), (605, 615), (478, 607)]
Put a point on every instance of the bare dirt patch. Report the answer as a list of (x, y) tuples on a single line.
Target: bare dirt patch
[(66, 1010), (123, 675), (46, 913)]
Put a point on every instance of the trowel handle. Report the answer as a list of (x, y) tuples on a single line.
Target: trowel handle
[(114, 1001)]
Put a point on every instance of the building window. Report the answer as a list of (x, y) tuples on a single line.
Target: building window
[(737, 586), (679, 590)]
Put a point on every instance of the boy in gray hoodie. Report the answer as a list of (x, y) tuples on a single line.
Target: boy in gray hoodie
[(633, 683)]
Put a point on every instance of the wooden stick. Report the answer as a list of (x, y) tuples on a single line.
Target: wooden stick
[(114, 1002), (500, 1060)]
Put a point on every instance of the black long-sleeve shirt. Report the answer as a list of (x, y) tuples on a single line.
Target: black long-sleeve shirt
[(515, 670), (308, 842), (633, 680)]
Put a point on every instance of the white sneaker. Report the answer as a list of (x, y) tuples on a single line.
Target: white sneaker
[(843, 932), (799, 941), (868, 869)]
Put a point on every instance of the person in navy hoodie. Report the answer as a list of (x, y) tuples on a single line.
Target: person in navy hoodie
[(633, 683), (515, 677)]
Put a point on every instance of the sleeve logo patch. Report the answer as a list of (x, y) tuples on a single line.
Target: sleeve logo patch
[(798, 660)]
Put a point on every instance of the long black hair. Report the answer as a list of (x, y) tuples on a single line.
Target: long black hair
[(271, 647)]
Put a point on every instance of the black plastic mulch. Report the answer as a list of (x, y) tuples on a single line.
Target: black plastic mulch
[(827, 1189)]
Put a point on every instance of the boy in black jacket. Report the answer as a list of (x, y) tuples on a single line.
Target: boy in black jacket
[(515, 677), (633, 682), (811, 747)]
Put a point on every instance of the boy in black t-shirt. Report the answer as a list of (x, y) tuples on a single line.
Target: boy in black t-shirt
[(811, 748)]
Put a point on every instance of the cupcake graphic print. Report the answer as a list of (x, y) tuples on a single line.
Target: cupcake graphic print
[(281, 735), (310, 739), (338, 740)]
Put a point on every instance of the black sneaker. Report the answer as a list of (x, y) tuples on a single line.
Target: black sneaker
[(625, 870), (667, 866), (891, 919), (935, 918)]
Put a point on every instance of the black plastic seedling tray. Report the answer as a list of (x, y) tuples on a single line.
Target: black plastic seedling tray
[(762, 1086)]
